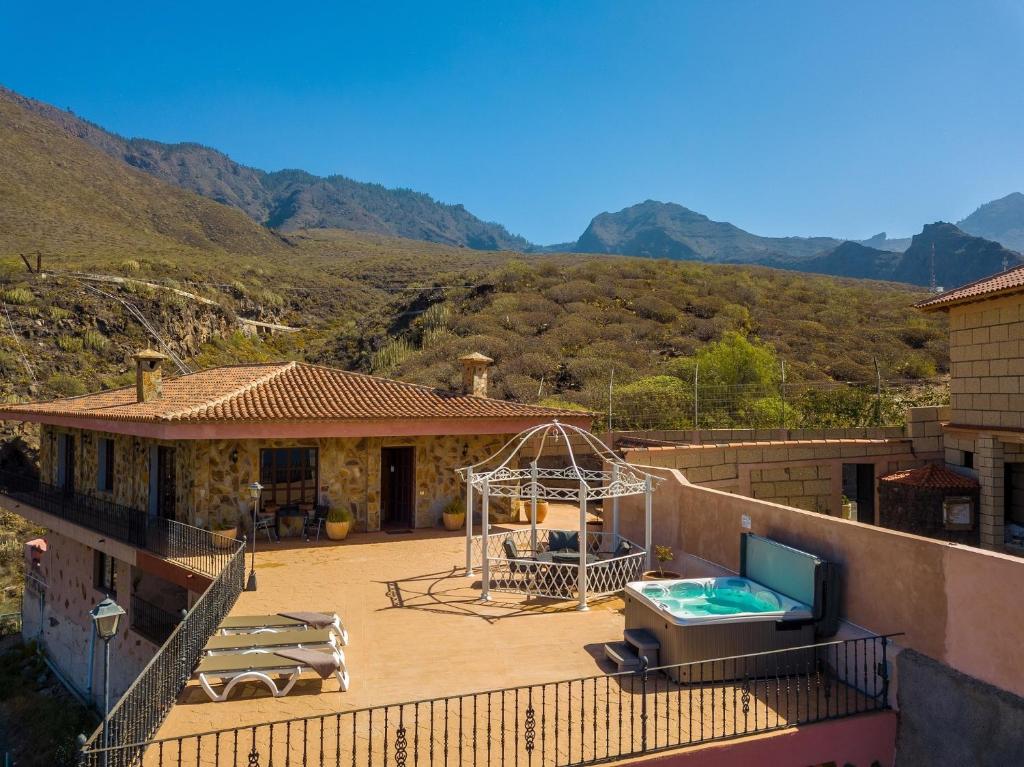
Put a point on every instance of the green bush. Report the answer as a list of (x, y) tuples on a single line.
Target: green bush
[(339, 514), (65, 385), (16, 296), (57, 313), (130, 265), (95, 340), (70, 344)]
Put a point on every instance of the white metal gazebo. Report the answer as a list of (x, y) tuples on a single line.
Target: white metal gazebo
[(559, 564)]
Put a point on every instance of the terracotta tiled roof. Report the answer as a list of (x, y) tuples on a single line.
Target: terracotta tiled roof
[(290, 391), (933, 477), (1010, 281)]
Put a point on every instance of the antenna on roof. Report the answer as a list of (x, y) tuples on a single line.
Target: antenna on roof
[(1006, 262), (931, 282)]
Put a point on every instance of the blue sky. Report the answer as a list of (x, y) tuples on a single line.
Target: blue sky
[(785, 118)]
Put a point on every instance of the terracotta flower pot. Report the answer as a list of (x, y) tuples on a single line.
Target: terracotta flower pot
[(522, 509), (226, 539), (453, 521), (337, 531), (659, 575)]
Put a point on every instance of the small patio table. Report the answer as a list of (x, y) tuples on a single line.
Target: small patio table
[(551, 579)]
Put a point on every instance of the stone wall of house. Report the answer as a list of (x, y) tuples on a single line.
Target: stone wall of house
[(349, 470), (986, 350), (65, 629), (212, 476)]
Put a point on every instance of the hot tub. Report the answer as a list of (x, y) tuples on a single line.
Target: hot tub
[(781, 596)]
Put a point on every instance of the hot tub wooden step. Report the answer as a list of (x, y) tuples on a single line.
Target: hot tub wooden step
[(622, 655), (645, 644)]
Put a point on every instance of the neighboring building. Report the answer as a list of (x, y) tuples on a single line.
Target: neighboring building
[(185, 449), (984, 434)]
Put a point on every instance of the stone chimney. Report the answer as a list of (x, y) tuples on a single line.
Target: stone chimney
[(474, 374), (148, 378)]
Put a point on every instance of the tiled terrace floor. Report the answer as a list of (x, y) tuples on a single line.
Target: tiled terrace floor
[(417, 628)]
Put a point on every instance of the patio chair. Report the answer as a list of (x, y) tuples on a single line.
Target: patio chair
[(266, 523), (236, 668), (276, 623), (516, 565), (315, 521), (312, 639), (622, 550), (560, 540)]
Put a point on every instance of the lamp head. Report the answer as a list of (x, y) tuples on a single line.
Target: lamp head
[(254, 490), (106, 616)]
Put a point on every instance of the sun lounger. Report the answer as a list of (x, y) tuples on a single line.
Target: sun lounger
[(311, 639), (290, 663), (271, 624)]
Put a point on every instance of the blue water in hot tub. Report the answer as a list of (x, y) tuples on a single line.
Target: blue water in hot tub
[(719, 596)]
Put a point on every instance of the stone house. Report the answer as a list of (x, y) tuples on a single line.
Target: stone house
[(983, 434), (186, 448)]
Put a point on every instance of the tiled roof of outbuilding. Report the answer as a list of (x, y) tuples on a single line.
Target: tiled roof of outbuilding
[(932, 477), (289, 391), (1012, 280)]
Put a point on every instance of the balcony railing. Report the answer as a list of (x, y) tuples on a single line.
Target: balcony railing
[(137, 716), (122, 523), (140, 711), (153, 622), (573, 722), (199, 550)]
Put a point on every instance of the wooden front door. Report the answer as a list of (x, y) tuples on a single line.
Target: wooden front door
[(397, 487), (166, 484)]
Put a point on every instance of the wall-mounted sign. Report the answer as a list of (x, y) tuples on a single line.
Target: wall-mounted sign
[(958, 513)]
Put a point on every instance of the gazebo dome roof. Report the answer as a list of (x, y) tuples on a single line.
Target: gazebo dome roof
[(514, 470)]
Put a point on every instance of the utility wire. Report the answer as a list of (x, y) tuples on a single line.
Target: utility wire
[(17, 342), (134, 311)]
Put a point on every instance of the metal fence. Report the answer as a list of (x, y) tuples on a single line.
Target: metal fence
[(141, 710), (199, 550), (681, 404), (578, 721), (152, 621), (122, 523)]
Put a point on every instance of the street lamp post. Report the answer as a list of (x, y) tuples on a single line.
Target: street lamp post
[(254, 492), (106, 617)]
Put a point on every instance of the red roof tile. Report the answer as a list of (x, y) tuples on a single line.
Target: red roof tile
[(932, 476), (289, 391), (1010, 281)]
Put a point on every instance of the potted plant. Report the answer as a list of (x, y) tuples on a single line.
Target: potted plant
[(663, 554), (338, 522), (849, 508), (454, 514), (224, 525)]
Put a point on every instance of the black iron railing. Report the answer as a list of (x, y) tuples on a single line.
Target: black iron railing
[(122, 523), (139, 713), (152, 621), (199, 550), (576, 722)]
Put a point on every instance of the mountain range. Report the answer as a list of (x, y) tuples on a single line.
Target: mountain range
[(290, 200)]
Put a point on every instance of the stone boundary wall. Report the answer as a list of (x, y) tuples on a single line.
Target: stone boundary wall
[(806, 474), (954, 603), (986, 352)]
